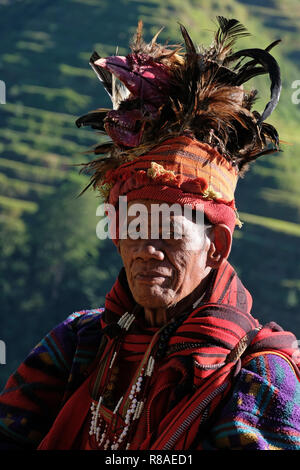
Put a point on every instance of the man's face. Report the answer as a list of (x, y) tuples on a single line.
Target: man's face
[(163, 271)]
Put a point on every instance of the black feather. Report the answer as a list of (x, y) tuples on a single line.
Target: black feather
[(206, 99), (254, 62), (271, 66), (104, 76), (227, 34), (95, 120), (190, 47)]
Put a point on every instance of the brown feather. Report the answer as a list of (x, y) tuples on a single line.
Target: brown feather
[(206, 98)]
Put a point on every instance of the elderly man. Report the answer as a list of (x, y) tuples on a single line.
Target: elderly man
[(175, 359)]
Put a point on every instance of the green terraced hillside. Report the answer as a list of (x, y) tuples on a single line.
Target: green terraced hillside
[(44, 63)]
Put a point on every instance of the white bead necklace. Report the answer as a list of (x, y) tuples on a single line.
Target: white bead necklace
[(98, 427)]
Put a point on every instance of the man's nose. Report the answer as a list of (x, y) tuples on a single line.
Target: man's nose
[(149, 249)]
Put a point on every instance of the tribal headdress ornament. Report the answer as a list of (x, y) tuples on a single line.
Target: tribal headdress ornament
[(182, 128)]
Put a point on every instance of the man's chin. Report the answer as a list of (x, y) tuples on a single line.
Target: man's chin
[(153, 297), (153, 303)]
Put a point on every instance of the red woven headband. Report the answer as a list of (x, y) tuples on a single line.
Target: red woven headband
[(181, 170)]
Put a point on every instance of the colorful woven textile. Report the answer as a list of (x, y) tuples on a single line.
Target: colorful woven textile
[(264, 410), (181, 170), (265, 391)]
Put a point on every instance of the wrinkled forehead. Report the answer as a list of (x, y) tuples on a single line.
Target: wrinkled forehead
[(159, 216)]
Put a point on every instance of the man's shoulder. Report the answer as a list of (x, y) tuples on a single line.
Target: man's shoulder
[(83, 318), (275, 372), (267, 386), (80, 328), (63, 340), (262, 411)]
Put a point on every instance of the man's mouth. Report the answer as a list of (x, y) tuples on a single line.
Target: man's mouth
[(150, 277)]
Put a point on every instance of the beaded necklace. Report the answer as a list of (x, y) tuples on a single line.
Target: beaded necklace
[(115, 429)]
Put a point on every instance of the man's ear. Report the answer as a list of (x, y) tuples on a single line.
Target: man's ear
[(220, 245)]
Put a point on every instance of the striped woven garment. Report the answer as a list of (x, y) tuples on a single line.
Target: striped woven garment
[(39, 399), (180, 170), (203, 356)]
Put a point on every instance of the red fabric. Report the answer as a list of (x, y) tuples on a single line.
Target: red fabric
[(62, 435), (210, 333), (216, 212), (178, 162), (184, 169)]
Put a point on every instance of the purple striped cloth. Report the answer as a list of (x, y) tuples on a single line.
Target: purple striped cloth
[(262, 411)]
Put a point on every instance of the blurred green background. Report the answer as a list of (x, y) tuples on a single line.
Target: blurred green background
[(51, 262)]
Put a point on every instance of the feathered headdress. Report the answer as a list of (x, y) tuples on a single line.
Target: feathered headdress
[(160, 92)]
